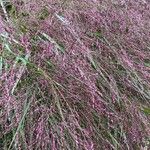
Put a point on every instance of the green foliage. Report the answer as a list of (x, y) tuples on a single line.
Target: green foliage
[(147, 62), (43, 14), (146, 110)]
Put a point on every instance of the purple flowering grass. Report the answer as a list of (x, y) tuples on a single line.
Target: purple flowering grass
[(75, 75)]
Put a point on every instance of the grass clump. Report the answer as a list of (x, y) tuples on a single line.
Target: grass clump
[(74, 76)]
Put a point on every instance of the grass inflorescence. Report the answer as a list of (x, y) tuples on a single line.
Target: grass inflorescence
[(74, 75)]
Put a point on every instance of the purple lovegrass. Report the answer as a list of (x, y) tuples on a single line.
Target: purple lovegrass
[(74, 74)]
